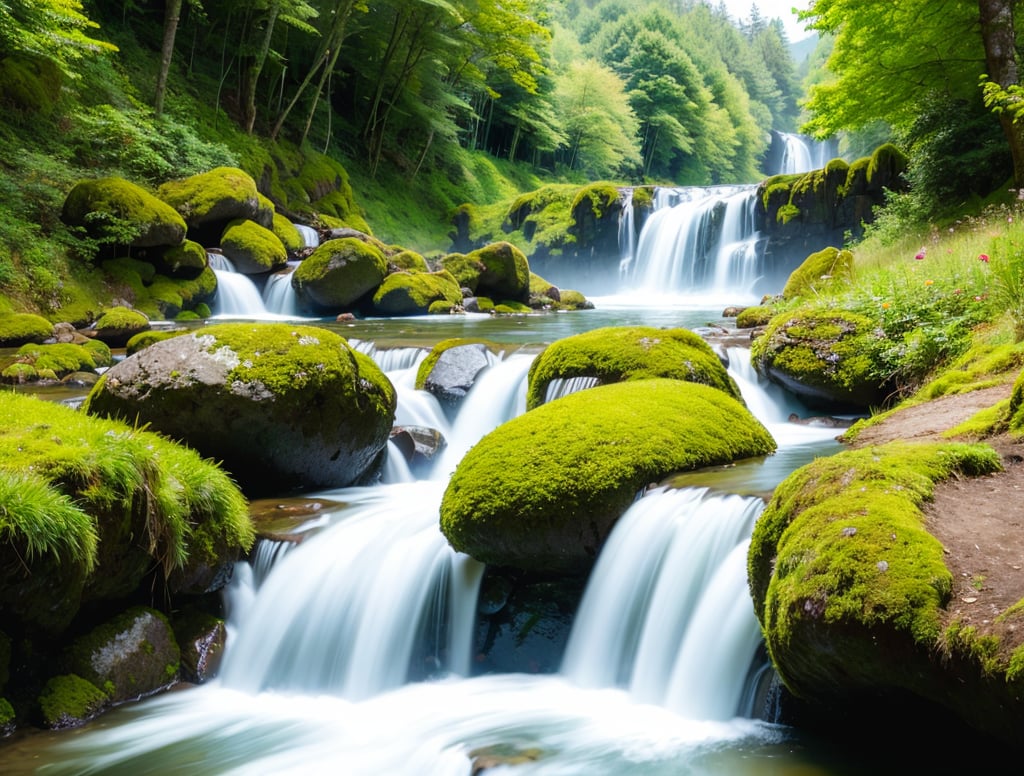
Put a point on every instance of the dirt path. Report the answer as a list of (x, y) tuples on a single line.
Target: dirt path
[(978, 520)]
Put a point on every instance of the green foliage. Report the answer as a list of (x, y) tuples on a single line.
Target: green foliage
[(69, 700)]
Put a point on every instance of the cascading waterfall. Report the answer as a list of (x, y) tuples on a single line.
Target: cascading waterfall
[(236, 294), (802, 154), (279, 295), (699, 241), (627, 233), (351, 651)]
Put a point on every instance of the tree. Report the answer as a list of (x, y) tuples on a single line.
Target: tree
[(172, 15), (54, 30), (890, 60)]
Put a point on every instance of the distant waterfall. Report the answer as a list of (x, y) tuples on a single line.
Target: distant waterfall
[(802, 154), (699, 240)]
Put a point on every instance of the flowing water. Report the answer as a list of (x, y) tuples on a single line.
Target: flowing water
[(352, 652)]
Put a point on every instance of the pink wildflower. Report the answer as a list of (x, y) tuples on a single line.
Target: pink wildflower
[(983, 257), (920, 254)]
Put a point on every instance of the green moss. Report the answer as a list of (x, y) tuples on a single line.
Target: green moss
[(598, 196), (819, 272), (339, 272), (620, 353), (408, 260), (185, 260), (29, 84), (507, 307), (407, 293), (842, 544), (19, 374), (113, 210), (286, 232), (144, 497), (465, 269), (62, 358), (756, 315), (886, 165), (505, 273), (543, 489), (69, 700), (221, 194), (7, 716), (21, 328), (571, 300), (251, 247)]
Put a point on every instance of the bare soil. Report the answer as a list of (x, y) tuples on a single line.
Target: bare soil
[(978, 520)]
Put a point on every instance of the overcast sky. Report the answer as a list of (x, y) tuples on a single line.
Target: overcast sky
[(772, 9)]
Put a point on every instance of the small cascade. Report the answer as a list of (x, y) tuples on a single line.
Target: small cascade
[(343, 614), (668, 566), (310, 237), (560, 387), (627, 233), (279, 296), (802, 154), (699, 241), (390, 359), (236, 294)]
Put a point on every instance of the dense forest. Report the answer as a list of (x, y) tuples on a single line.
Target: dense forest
[(422, 105)]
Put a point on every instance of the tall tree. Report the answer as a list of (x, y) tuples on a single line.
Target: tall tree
[(172, 15)]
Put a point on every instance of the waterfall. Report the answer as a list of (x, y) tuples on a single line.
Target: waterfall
[(560, 387), (310, 237), (803, 154), (699, 241), (236, 294), (279, 295), (627, 233)]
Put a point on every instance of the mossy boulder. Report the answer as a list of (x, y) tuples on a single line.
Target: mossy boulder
[(117, 325), (201, 638), (186, 260), (505, 274), (130, 656), (413, 293), (286, 232), (542, 491), (405, 259), (338, 274), (823, 356), (465, 269), (755, 315), (851, 589), (113, 210), (146, 338), (252, 249), (819, 272), (451, 369), (90, 507), (283, 407), (63, 358), (69, 701), (210, 200), (618, 353), (18, 329)]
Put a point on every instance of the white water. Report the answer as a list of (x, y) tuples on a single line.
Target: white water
[(321, 643), (698, 242), (802, 154)]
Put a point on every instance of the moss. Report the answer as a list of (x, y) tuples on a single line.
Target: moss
[(113, 210), (185, 260), (340, 272), (21, 328), (571, 300), (252, 248), (887, 164), (69, 700), (465, 269), (621, 353), (840, 562), (408, 293), (408, 260), (286, 232), (219, 195), (100, 352), (824, 351), (144, 497), (146, 338), (820, 271), (507, 307), (7, 717), (29, 84), (599, 196), (61, 358), (787, 213), (756, 315), (542, 490), (505, 274), (19, 374), (132, 272)]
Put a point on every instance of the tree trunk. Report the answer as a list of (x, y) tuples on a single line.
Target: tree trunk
[(172, 14), (252, 75), (999, 39)]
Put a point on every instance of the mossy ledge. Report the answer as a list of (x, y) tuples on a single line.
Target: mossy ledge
[(542, 491)]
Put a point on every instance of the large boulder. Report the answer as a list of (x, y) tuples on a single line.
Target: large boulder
[(619, 353), (210, 200), (499, 271), (824, 356), (252, 249), (416, 293), (542, 491), (283, 407), (116, 211), (22, 328), (820, 271), (854, 594), (338, 274), (92, 507), (451, 369)]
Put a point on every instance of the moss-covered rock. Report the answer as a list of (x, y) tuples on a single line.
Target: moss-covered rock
[(618, 353), (338, 274), (755, 315), (69, 701), (451, 368), (252, 249), (146, 338), (505, 274), (850, 587), (90, 507), (823, 356), (18, 329), (59, 359), (117, 325), (29, 84), (465, 269), (286, 232), (819, 271), (113, 210), (186, 260), (130, 656), (543, 490), (413, 293), (281, 406), (405, 259), (210, 200)]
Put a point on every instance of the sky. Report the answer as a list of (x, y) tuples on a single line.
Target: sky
[(771, 9)]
